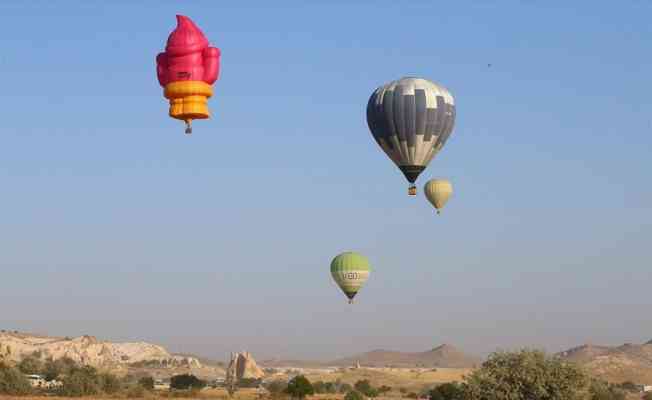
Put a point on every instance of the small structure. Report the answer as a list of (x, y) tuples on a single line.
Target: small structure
[(160, 385), (646, 388), (36, 381)]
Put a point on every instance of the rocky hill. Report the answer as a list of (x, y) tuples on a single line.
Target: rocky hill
[(88, 350), (445, 356), (629, 362)]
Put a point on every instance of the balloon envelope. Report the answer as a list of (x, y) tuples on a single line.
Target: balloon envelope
[(411, 119), (438, 191), (350, 271)]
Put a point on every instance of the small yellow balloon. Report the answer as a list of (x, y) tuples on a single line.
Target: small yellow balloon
[(437, 192)]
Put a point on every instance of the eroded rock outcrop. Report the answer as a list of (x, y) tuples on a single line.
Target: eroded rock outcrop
[(242, 365), (88, 350)]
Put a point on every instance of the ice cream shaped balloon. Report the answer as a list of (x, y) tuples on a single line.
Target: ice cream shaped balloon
[(187, 70)]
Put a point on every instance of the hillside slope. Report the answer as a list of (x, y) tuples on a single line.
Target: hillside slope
[(446, 356)]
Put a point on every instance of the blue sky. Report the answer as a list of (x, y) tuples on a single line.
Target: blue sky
[(116, 224)]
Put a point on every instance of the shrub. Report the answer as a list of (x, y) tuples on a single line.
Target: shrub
[(364, 387), (299, 387), (146, 382), (81, 382), (53, 369), (249, 382), (186, 381), (276, 387), (412, 395), (30, 365), (447, 391), (345, 388), (353, 395), (109, 383), (647, 396), (600, 390), (13, 382)]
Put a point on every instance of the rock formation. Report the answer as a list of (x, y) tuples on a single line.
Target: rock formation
[(242, 365), (88, 350)]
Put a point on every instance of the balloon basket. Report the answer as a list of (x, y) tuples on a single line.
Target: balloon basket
[(412, 190)]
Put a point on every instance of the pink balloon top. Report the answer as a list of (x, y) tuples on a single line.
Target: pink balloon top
[(187, 56)]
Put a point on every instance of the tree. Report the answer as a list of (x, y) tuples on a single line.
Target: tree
[(363, 386), (186, 381), (53, 369), (299, 387), (13, 382), (447, 391), (109, 383), (30, 365), (146, 382), (526, 374), (353, 395), (600, 390), (81, 382)]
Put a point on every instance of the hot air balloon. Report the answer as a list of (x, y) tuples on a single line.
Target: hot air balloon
[(411, 119), (350, 271), (187, 70), (437, 192)]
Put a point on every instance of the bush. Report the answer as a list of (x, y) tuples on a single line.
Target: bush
[(81, 382), (53, 369), (345, 388), (146, 382), (413, 395), (603, 391), (30, 365), (109, 383), (353, 395), (186, 381), (277, 387), (249, 382), (647, 396), (526, 374), (13, 382), (299, 387), (447, 391), (364, 387)]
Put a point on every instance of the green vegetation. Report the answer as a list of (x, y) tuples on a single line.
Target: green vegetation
[(249, 383), (185, 382), (353, 395), (363, 386), (146, 382), (447, 391), (13, 382), (299, 387), (525, 374)]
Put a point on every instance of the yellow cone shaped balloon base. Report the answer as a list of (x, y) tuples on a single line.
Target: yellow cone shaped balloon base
[(188, 100)]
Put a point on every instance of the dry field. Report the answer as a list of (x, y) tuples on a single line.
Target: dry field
[(395, 378)]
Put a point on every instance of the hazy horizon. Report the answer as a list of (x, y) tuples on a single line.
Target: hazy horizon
[(116, 224)]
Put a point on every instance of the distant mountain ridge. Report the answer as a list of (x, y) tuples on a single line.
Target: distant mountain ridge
[(628, 362), (444, 356)]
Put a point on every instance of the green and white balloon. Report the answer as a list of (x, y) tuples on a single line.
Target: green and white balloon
[(350, 271)]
